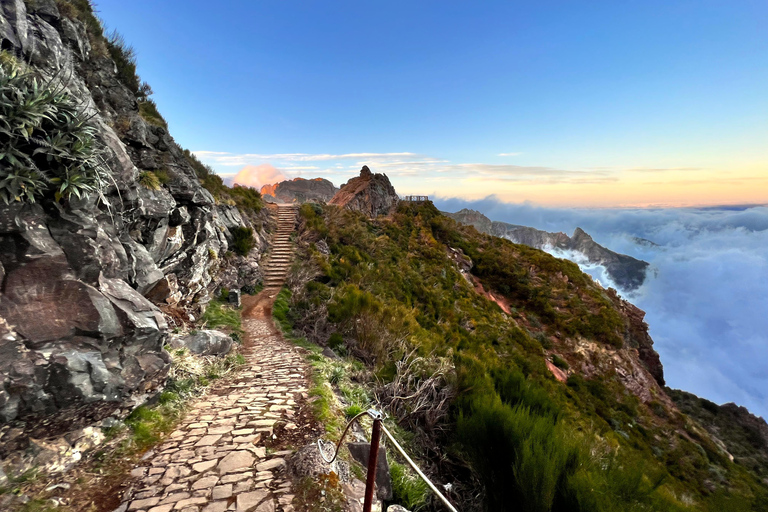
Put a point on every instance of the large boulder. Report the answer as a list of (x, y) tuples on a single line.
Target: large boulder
[(205, 342), (371, 194), (361, 453)]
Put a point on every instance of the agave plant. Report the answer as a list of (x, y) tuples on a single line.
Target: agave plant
[(47, 144)]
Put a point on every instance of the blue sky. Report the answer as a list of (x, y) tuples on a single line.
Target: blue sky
[(597, 103)]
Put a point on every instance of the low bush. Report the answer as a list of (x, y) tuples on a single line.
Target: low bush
[(243, 240), (149, 180), (148, 111), (219, 314), (408, 489)]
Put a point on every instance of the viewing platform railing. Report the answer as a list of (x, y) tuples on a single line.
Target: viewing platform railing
[(378, 428), (416, 199)]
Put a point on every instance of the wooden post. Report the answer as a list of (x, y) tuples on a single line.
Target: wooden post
[(373, 459)]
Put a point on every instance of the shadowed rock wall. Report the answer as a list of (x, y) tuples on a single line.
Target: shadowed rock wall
[(78, 334)]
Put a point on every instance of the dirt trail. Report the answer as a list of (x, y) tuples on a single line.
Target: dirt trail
[(217, 459)]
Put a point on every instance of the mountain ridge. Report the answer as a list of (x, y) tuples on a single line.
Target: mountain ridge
[(627, 272)]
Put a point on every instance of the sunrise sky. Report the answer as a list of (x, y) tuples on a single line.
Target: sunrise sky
[(560, 103)]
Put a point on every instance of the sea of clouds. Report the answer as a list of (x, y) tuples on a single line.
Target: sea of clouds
[(706, 296)]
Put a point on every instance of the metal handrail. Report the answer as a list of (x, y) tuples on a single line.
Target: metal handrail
[(378, 427)]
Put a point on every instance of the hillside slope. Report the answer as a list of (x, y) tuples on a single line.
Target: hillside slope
[(522, 380)]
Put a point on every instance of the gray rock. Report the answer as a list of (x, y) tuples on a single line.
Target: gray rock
[(397, 508), (205, 342), (234, 298), (179, 216), (46, 9), (77, 336), (361, 452), (308, 462)]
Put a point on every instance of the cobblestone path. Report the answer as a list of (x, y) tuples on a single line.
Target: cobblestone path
[(217, 460)]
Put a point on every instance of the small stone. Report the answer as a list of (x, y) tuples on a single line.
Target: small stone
[(270, 464), (190, 501), (173, 498), (236, 477), (242, 432), (202, 467), (221, 492), (205, 483), (216, 506), (146, 503), (138, 472), (235, 461), (162, 508), (266, 506), (243, 486), (208, 440), (250, 500)]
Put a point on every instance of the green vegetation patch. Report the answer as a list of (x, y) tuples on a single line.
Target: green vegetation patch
[(219, 314)]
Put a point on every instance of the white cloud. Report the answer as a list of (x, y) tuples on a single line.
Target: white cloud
[(258, 175), (509, 154), (223, 158), (405, 164)]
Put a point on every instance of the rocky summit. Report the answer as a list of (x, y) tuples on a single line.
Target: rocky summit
[(299, 190), (369, 193)]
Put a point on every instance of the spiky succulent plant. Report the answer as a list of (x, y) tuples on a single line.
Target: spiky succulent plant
[(48, 146)]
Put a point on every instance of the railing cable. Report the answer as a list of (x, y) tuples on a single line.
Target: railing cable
[(378, 427)]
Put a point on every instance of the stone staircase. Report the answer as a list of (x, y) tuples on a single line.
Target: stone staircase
[(282, 249)]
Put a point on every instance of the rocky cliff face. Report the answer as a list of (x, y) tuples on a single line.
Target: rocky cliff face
[(78, 333), (369, 193), (299, 190), (627, 272)]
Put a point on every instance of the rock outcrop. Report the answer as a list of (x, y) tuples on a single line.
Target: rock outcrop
[(299, 190), (205, 342), (744, 435), (371, 194), (627, 272), (80, 329)]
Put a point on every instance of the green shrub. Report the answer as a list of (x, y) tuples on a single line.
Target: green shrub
[(219, 314), (408, 489), (560, 362), (336, 341), (352, 410), (149, 180), (243, 240), (47, 145), (148, 111), (336, 375), (124, 56), (280, 311)]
